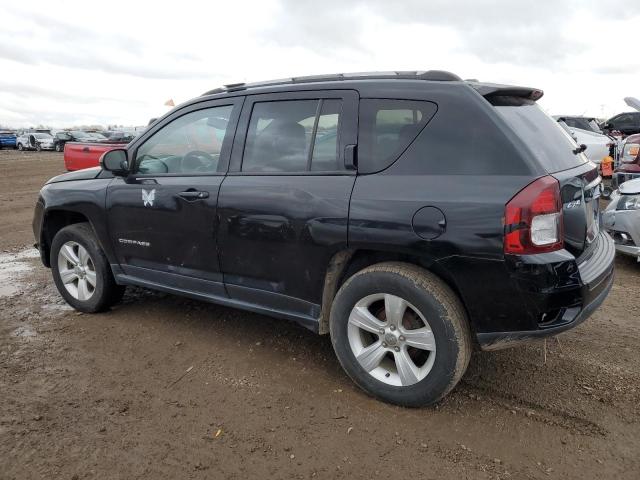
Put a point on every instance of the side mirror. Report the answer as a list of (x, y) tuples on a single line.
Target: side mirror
[(115, 161)]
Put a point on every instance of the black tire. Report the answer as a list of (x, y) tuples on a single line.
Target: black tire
[(106, 292), (38, 148), (58, 147), (435, 301), (20, 147)]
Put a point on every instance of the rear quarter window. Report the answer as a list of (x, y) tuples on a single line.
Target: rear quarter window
[(386, 128)]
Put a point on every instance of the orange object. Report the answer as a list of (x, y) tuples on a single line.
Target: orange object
[(607, 167)]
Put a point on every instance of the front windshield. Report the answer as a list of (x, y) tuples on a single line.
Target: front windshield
[(99, 136)]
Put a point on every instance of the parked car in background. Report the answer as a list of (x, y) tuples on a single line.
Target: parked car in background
[(629, 166), (119, 136), (599, 146), (35, 141), (435, 215), (80, 155), (61, 138), (589, 124), (622, 218), (628, 123), (98, 136), (8, 139)]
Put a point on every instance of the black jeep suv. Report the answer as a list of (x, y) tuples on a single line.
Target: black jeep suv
[(409, 215)]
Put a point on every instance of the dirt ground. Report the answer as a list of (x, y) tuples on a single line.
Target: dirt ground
[(165, 387)]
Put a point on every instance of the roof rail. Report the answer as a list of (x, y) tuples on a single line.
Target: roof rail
[(430, 75)]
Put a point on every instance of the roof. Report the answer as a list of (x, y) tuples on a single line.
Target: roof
[(485, 89), (429, 75)]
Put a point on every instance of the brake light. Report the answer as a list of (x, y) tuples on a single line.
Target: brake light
[(533, 219)]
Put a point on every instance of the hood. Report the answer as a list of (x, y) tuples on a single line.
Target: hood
[(630, 187), (86, 174)]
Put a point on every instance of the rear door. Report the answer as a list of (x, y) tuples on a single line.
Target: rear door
[(284, 204), (162, 217)]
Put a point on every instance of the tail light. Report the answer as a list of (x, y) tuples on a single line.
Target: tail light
[(533, 219)]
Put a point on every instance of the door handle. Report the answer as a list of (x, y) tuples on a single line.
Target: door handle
[(350, 157), (193, 195), (85, 149)]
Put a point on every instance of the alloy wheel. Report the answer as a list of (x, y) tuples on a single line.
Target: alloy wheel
[(391, 339), (77, 270)]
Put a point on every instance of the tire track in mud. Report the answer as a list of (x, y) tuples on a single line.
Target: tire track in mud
[(538, 412)]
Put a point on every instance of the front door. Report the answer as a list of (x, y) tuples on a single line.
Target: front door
[(284, 204), (162, 217)]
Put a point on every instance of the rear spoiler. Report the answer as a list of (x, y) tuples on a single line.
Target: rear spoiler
[(497, 90)]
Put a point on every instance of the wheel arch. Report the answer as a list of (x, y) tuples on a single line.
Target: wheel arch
[(347, 262), (55, 220)]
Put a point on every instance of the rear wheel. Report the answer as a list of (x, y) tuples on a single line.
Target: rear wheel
[(400, 333), (81, 271)]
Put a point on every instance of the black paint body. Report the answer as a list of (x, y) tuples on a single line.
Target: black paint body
[(265, 242)]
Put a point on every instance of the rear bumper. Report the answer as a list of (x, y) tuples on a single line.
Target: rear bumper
[(571, 306)]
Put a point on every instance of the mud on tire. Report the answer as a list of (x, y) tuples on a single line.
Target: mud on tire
[(106, 292), (434, 301)]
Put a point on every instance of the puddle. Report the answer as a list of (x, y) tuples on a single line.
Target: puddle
[(12, 265)]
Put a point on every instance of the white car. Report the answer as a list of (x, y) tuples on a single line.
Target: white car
[(34, 141), (598, 144)]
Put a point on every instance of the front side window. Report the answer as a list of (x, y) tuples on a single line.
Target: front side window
[(190, 144), (293, 136)]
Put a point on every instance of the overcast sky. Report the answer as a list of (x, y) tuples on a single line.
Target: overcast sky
[(79, 62)]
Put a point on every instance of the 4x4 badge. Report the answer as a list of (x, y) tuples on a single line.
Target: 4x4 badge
[(148, 197)]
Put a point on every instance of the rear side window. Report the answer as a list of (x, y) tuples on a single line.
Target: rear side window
[(292, 136), (550, 143), (386, 128)]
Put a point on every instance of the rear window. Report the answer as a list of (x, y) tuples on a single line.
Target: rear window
[(552, 146), (386, 128)]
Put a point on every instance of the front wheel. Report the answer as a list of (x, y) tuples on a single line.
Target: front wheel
[(38, 148), (400, 333), (20, 147), (58, 147), (81, 271)]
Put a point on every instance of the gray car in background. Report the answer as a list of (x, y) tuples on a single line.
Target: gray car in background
[(622, 218)]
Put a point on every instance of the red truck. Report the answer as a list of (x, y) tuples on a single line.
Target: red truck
[(79, 155)]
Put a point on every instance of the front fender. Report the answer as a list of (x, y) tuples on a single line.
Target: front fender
[(64, 203)]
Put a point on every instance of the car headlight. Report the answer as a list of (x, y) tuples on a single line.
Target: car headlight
[(630, 152), (628, 202)]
